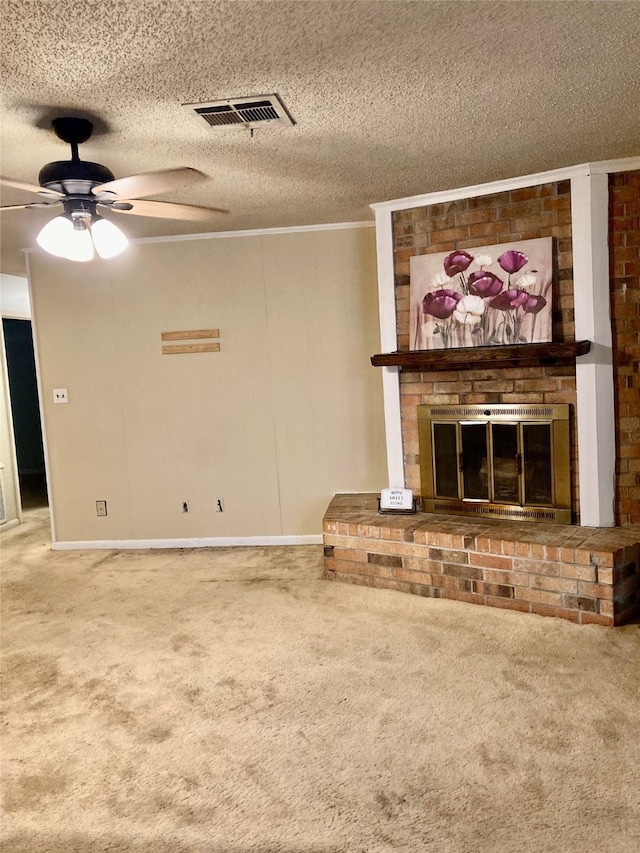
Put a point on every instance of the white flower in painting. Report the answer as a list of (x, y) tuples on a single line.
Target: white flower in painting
[(526, 280), (441, 279), (483, 260), (469, 310)]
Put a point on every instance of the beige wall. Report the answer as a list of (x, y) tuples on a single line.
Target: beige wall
[(289, 412)]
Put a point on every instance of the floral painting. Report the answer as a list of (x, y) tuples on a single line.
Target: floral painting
[(488, 296)]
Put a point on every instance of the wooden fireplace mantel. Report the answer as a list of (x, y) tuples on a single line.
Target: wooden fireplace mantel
[(511, 355)]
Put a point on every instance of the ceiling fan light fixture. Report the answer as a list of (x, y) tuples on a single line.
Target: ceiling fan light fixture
[(74, 238), (80, 186), (107, 238)]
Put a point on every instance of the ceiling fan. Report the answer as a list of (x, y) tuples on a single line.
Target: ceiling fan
[(86, 189)]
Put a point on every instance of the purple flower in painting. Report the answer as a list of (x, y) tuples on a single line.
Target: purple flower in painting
[(483, 283), (534, 304), (457, 262), (441, 303), (512, 261), (509, 299)]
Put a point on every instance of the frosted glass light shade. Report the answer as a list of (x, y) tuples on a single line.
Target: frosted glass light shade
[(55, 236), (61, 238), (107, 238)]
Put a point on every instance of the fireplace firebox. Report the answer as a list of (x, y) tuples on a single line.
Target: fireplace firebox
[(496, 461)]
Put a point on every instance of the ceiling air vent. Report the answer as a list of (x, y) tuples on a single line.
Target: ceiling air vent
[(256, 111)]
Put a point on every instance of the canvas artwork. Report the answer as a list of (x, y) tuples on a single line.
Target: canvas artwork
[(487, 296)]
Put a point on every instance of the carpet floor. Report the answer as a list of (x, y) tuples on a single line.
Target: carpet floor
[(232, 701)]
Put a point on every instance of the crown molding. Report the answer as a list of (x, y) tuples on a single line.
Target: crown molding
[(256, 232), (566, 173)]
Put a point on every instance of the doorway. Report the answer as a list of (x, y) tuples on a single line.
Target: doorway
[(25, 412)]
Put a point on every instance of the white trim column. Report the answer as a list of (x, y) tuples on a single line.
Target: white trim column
[(389, 343), (594, 371)]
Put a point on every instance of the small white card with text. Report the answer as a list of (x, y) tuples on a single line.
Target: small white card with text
[(396, 499)]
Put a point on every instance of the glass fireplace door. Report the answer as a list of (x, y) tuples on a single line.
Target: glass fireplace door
[(538, 478), (445, 444), (506, 454), (474, 461), (490, 465), (507, 463), (496, 461)]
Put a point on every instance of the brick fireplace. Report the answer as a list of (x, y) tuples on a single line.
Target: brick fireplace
[(561, 570)]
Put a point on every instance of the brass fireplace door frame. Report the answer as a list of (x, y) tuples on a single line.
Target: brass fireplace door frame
[(557, 416)]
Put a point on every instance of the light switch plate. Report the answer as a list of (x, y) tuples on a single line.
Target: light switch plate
[(60, 395)]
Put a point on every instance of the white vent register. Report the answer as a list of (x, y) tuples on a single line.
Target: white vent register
[(256, 111)]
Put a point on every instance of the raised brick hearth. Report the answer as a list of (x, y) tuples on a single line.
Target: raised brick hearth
[(588, 575)]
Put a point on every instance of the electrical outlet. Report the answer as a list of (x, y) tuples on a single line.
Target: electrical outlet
[(60, 395), (101, 508), (185, 506), (219, 504)]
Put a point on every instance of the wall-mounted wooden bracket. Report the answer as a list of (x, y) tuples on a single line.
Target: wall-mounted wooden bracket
[(190, 335), (182, 348)]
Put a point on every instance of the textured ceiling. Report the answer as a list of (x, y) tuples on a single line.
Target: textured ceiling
[(390, 98)]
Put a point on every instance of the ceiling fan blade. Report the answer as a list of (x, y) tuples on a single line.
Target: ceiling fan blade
[(31, 204), (149, 183), (30, 188), (14, 206), (169, 210)]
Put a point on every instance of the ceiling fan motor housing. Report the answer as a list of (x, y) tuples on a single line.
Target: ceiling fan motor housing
[(74, 176)]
